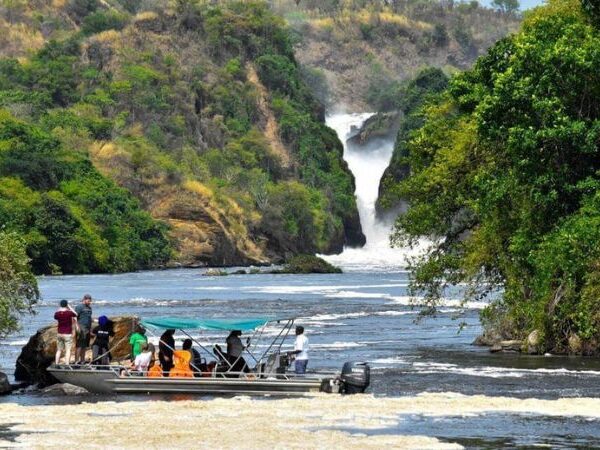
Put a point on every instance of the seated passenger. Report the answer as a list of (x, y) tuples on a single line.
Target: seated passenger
[(196, 361), (234, 352), (155, 371), (181, 367), (142, 361), (136, 340)]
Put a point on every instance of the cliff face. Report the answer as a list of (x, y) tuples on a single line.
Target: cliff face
[(354, 54), (198, 111)]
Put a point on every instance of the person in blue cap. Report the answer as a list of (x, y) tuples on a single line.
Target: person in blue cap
[(100, 349)]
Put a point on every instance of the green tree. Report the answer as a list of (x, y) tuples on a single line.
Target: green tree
[(504, 173), (506, 6), (592, 9), (18, 287)]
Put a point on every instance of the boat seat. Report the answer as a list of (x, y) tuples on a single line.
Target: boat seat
[(219, 353)]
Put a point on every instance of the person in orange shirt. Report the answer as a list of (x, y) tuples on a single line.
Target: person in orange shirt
[(181, 368), (155, 371)]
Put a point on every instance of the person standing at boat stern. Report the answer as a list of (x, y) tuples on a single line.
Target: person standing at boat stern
[(84, 324), (166, 346), (301, 351), (65, 317)]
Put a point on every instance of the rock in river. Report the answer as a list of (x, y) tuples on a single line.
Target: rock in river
[(5, 387), (39, 352), (65, 389)]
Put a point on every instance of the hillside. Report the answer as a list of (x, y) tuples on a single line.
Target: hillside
[(197, 111), (504, 176), (356, 53)]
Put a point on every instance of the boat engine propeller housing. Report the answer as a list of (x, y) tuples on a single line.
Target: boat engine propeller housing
[(355, 377)]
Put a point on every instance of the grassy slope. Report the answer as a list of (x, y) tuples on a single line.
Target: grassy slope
[(361, 50)]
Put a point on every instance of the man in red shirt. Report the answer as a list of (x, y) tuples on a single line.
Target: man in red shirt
[(65, 317)]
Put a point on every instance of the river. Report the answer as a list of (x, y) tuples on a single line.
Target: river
[(359, 315), (430, 385)]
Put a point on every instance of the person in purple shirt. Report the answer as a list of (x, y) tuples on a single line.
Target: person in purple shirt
[(65, 317)]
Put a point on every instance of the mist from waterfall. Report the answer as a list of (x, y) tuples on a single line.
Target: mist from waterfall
[(367, 163)]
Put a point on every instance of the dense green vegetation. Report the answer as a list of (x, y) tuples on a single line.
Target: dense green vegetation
[(309, 264), (18, 287), (504, 173), (189, 100), (73, 219), (409, 97)]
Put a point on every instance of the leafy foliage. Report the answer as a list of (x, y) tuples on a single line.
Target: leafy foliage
[(504, 172), (410, 97), (73, 219), (18, 287), (309, 264), (220, 106)]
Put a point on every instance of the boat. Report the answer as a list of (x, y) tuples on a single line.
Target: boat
[(217, 375)]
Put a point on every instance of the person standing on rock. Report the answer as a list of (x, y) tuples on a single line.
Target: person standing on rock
[(84, 324), (100, 348), (65, 316)]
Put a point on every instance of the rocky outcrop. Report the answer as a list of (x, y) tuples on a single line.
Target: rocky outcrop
[(533, 343), (204, 233), (39, 351), (353, 233), (378, 126), (64, 389), (308, 264), (514, 346), (5, 387)]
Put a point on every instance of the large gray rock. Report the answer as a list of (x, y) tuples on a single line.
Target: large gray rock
[(39, 351), (533, 342), (64, 389), (575, 344), (5, 387)]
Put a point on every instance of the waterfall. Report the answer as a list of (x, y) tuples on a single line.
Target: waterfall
[(367, 163)]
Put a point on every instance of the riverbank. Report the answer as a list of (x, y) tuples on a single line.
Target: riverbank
[(360, 421)]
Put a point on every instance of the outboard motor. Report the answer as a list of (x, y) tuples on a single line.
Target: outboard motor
[(355, 377)]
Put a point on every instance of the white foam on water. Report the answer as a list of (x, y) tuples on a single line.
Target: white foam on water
[(356, 294), (325, 317), (384, 363), (316, 289), (210, 288), (18, 343), (444, 302), (334, 319), (136, 301), (498, 372), (321, 323), (337, 345)]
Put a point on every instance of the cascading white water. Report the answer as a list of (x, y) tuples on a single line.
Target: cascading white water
[(367, 164)]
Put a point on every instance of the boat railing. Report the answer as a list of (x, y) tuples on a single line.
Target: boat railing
[(125, 371)]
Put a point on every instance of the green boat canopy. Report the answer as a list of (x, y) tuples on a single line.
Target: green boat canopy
[(244, 324)]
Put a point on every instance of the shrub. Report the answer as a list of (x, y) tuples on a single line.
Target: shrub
[(99, 21), (18, 287)]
